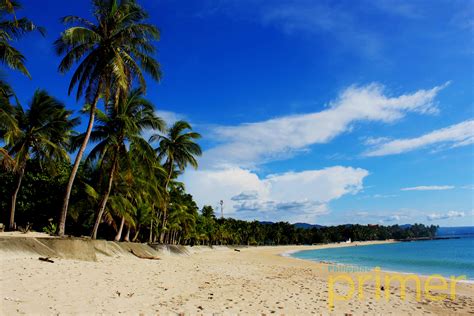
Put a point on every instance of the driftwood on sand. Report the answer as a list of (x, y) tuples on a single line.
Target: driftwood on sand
[(143, 256), (46, 259)]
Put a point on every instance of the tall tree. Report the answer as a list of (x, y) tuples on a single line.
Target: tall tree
[(8, 126), (111, 53), (178, 149), (11, 29), (44, 133), (123, 124)]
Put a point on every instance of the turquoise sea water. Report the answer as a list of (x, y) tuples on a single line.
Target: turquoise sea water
[(446, 257)]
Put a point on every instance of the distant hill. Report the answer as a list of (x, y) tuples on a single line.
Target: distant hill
[(297, 225), (442, 231), (455, 231), (306, 225)]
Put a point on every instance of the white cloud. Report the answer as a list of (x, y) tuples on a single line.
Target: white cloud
[(227, 170), (292, 196), (248, 145), (428, 188), (448, 215), (457, 135), (170, 117)]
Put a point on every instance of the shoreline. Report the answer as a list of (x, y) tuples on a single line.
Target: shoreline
[(256, 280), (289, 254)]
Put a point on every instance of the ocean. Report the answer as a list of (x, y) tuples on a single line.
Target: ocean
[(447, 257)]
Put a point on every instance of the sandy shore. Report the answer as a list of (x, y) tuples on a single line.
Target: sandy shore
[(222, 281)]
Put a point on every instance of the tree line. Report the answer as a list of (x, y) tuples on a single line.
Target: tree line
[(120, 185)]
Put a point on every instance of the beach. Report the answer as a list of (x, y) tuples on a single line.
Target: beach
[(253, 280)]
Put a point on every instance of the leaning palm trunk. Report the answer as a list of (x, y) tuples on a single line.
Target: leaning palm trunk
[(103, 203), (127, 234), (63, 215), (165, 203), (137, 232), (119, 233), (12, 225)]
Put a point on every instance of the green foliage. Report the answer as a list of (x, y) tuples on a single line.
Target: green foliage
[(51, 228), (40, 196), (11, 29), (111, 51)]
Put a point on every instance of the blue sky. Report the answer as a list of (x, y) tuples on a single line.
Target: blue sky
[(325, 112)]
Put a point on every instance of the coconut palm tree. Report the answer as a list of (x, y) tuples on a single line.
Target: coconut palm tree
[(178, 149), (8, 126), (11, 29), (111, 53), (44, 130), (124, 124)]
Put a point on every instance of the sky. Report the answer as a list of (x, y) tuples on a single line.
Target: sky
[(325, 112)]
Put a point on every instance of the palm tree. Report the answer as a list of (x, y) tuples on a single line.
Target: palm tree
[(8, 126), (124, 124), (111, 53), (11, 30), (44, 132), (178, 149)]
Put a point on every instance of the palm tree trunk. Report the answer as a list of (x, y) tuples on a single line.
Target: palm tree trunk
[(165, 202), (12, 225), (127, 235), (103, 203), (135, 237), (77, 162), (119, 233), (151, 231)]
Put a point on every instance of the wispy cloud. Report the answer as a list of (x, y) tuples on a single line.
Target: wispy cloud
[(323, 17), (248, 145), (384, 196), (380, 217), (448, 215), (429, 188), (457, 135), (339, 22), (407, 9)]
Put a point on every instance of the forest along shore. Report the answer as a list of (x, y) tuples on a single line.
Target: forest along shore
[(199, 280)]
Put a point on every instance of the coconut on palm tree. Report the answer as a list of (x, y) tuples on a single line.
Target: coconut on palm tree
[(111, 53), (178, 149), (44, 131)]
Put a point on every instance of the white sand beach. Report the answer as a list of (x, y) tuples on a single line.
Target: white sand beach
[(256, 280)]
